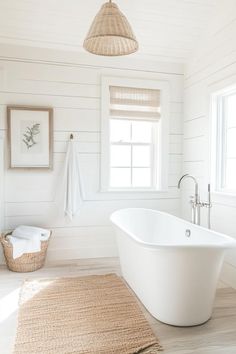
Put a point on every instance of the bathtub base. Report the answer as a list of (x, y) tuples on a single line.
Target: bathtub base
[(194, 325)]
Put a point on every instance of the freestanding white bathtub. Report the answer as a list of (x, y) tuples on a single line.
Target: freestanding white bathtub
[(172, 265)]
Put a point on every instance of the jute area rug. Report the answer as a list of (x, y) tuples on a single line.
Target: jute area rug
[(95, 314)]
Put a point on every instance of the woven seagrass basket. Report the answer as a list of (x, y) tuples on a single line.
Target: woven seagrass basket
[(28, 262)]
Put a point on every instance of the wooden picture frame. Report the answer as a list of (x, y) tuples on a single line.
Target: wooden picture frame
[(30, 137)]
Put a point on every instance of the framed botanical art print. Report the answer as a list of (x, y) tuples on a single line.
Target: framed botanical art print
[(30, 136)]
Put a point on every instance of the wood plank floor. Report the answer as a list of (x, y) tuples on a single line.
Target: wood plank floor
[(218, 336)]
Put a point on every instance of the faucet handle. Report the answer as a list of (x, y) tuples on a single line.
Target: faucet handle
[(206, 204), (192, 199)]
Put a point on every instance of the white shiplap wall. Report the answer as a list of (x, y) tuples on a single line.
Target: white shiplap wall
[(70, 83), (213, 67), (64, 24)]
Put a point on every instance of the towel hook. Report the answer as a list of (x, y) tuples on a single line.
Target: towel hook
[(71, 137)]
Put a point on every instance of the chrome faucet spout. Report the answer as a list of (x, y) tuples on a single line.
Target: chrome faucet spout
[(193, 178), (195, 202)]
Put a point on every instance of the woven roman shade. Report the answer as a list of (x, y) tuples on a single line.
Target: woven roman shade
[(110, 33), (134, 103)]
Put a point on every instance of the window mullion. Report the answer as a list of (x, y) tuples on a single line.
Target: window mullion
[(129, 143), (223, 143), (152, 165), (219, 146), (154, 155)]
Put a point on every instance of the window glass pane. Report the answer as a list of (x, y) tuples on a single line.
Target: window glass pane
[(120, 130), (230, 106), (231, 174), (120, 155), (141, 177), (141, 156), (226, 143), (231, 143), (120, 177), (142, 132)]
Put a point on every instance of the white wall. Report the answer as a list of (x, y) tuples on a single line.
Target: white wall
[(70, 83), (213, 67), (1, 180)]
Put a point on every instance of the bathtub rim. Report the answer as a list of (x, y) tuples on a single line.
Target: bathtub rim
[(229, 243)]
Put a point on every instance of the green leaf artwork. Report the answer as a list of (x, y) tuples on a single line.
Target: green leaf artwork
[(29, 135)]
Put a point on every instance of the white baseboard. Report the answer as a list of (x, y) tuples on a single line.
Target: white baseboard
[(228, 275), (82, 253)]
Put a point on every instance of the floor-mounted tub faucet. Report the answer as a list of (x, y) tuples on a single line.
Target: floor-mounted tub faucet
[(195, 202)]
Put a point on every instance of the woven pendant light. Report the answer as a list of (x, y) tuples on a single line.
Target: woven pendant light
[(110, 33)]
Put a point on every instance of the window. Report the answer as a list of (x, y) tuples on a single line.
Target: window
[(132, 146), (132, 143), (224, 141)]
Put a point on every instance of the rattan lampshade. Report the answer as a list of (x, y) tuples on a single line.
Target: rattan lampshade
[(110, 33)]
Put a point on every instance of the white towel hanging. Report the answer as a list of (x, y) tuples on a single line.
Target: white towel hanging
[(73, 194)]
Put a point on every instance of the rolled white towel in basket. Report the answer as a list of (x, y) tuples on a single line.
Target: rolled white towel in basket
[(24, 231), (27, 239)]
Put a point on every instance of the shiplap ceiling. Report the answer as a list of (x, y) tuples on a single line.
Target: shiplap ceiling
[(166, 29)]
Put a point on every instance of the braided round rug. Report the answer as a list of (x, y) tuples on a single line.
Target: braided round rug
[(95, 314)]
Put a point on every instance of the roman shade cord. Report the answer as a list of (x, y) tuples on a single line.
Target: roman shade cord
[(152, 349)]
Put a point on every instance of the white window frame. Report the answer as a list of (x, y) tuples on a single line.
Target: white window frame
[(163, 135), (218, 148)]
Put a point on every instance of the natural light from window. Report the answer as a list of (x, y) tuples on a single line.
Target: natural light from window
[(132, 150), (225, 141), (9, 304)]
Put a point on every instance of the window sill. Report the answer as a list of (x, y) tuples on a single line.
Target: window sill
[(224, 198), (132, 190)]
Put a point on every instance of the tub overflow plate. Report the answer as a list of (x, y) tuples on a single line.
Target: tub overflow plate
[(187, 233)]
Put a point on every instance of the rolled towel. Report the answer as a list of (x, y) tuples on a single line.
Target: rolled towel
[(44, 233)]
